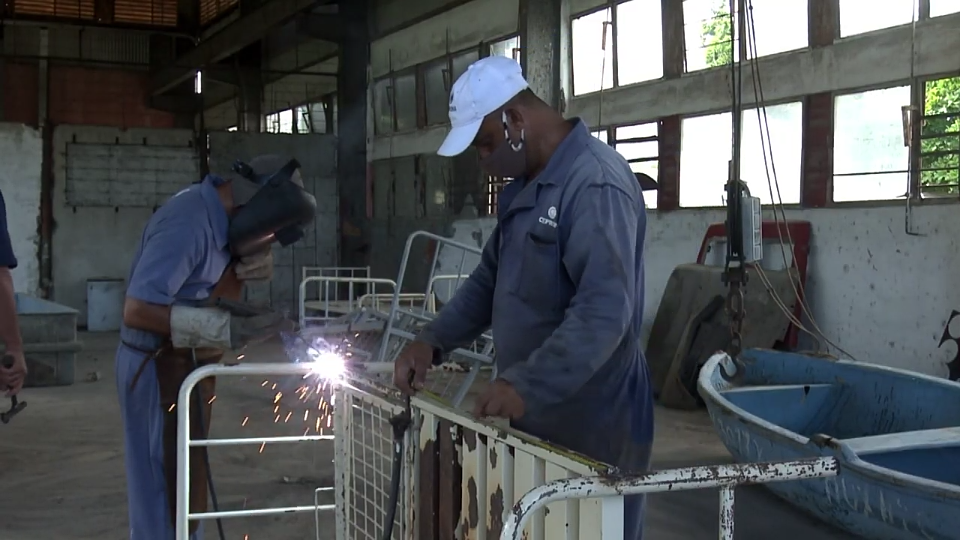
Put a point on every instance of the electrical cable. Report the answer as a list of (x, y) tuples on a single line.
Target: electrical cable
[(773, 183), (400, 424)]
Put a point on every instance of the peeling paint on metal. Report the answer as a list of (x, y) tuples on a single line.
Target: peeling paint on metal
[(473, 506), (496, 512), (470, 439)]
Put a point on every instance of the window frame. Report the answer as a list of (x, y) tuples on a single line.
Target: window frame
[(914, 187), (613, 6), (487, 45), (421, 68)]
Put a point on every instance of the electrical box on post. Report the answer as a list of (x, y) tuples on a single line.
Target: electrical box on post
[(752, 228)]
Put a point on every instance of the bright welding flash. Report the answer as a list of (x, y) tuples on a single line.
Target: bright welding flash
[(327, 365)]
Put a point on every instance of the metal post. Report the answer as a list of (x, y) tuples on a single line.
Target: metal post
[(726, 512)]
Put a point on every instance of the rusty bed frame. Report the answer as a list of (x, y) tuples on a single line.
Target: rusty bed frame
[(461, 479)]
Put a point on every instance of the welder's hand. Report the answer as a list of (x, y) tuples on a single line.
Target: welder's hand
[(12, 377), (410, 369), (499, 399), (256, 267)]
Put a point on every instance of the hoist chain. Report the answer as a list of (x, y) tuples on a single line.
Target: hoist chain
[(735, 314)]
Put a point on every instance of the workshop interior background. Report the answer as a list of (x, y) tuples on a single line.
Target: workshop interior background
[(110, 106)]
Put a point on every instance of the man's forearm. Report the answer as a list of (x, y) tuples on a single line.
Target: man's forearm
[(146, 316), (9, 324)]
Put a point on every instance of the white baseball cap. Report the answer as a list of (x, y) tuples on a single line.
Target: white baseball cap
[(487, 85)]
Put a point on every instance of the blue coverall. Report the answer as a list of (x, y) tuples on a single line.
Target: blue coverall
[(560, 282), (7, 258), (182, 254)]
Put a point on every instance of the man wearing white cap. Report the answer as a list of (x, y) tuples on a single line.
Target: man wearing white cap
[(560, 280)]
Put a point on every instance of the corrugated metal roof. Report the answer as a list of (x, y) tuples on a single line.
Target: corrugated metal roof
[(211, 9)]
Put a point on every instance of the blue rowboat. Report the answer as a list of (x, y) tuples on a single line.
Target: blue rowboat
[(895, 433)]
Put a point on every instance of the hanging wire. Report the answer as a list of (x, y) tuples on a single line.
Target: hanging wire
[(779, 211), (608, 24)]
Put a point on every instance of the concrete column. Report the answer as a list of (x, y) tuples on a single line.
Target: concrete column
[(352, 133), (251, 89), (544, 49), (816, 162), (668, 133)]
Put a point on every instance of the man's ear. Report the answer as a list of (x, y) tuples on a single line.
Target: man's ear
[(514, 118)]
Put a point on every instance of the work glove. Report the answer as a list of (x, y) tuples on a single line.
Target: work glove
[(227, 325), (256, 267)]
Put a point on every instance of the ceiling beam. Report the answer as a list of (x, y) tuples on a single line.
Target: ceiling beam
[(243, 32)]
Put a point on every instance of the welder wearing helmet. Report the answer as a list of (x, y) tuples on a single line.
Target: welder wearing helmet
[(202, 245)]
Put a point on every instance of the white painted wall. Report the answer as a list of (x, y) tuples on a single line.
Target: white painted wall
[(882, 295), (22, 150)]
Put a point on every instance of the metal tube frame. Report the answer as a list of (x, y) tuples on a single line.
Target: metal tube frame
[(725, 477), (440, 241), (352, 302), (184, 443)]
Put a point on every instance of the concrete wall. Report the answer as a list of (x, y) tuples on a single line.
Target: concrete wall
[(99, 241), (317, 156), (22, 150), (878, 293)]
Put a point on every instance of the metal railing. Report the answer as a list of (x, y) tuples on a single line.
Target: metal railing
[(185, 443), (726, 477), (497, 464)]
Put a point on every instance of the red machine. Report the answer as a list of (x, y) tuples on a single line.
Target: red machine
[(713, 253)]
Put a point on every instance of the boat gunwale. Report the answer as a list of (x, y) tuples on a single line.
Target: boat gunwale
[(848, 458)]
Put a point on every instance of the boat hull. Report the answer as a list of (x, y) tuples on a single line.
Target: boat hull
[(897, 491)]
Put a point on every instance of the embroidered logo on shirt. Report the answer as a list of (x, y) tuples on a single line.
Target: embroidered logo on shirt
[(550, 222), (552, 212)]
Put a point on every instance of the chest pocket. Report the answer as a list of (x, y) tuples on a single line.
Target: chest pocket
[(538, 283)]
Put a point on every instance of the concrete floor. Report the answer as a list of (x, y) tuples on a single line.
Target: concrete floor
[(62, 468)]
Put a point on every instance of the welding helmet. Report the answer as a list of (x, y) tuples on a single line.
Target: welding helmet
[(271, 204)]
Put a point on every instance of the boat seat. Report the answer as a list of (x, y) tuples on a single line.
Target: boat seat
[(778, 387), (905, 440)]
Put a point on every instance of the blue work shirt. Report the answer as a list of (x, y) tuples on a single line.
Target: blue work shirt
[(182, 254), (7, 258), (561, 284)]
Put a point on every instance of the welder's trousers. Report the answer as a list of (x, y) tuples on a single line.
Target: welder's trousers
[(148, 412)]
